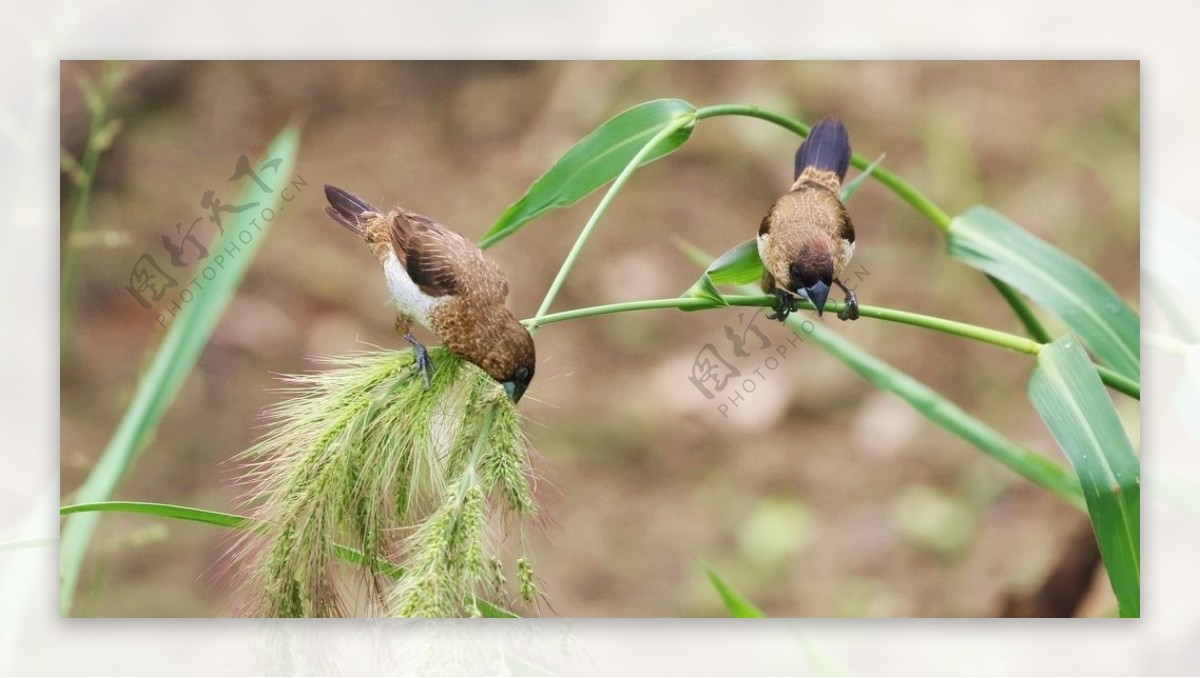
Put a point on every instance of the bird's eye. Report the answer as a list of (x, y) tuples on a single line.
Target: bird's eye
[(522, 373)]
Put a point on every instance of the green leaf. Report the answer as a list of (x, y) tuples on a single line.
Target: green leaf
[(992, 243), (595, 161), (940, 410), (851, 188), (490, 611), (704, 289), (184, 341), (1077, 409), (172, 511), (933, 405), (216, 518), (736, 603), (738, 266)]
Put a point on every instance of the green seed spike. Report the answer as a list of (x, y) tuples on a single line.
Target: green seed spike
[(525, 576), (366, 456)]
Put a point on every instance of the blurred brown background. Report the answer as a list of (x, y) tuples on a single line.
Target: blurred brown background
[(817, 496)]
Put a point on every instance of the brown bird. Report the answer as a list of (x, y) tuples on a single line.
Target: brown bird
[(444, 282), (806, 240)]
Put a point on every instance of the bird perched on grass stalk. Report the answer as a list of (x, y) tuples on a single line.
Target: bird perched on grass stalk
[(444, 282), (806, 240)]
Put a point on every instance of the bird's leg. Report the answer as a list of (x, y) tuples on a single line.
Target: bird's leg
[(423, 364), (850, 312), (785, 304)]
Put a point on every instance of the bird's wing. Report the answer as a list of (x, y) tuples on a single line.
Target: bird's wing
[(441, 262), (845, 229)]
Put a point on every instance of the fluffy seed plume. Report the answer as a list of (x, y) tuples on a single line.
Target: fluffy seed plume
[(375, 495)]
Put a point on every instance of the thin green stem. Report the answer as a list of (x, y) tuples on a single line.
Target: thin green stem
[(1118, 381), (83, 194), (470, 476), (983, 334), (952, 327), (901, 188), (1023, 310), (681, 303), (617, 184), (965, 330)]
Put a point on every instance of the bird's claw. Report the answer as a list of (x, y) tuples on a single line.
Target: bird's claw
[(423, 364), (850, 310), (785, 304)]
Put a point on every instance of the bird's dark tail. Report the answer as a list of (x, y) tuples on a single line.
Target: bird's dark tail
[(346, 209), (827, 148)]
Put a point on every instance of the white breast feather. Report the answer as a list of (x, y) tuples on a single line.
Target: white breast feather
[(408, 297), (763, 239), (762, 247), (847, 255)]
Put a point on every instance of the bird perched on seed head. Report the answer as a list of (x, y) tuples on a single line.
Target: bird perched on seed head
[(806, 240), (444, 282)]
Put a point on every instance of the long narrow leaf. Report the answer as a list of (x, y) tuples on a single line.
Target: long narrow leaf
[(173, 361), (705, 289), (940, 410), (219, 519), (738, 266), (216, 518), (492, 611), (935, 407), (596, 160), (735, 602), (854, 184), (172, 511), (985, 239), (1075, 406)]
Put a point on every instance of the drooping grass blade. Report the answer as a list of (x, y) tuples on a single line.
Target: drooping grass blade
[(1078, 411), (184, 341)]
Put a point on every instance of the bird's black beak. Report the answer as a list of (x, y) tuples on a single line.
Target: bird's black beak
[(514, 391), (817, 294)]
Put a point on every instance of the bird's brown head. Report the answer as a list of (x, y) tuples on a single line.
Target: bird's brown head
[(512, 358), (811, 272)]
